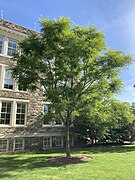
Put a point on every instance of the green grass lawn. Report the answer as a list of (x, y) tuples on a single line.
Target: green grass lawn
[(113, 162)]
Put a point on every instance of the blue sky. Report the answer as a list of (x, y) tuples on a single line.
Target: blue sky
[(116, 18)]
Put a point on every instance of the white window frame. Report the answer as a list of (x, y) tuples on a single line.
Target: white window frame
[(7, 146), (59, 145), (52, 123), (7, 79), (58, 125), (6, 39), (14, 110), (12, 39), (51, 142), (3, 68), (2, 44), (17, 102), (23, 144), (2, 75), (10, 112)]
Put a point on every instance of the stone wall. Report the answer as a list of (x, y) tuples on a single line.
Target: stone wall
[(33, 131)]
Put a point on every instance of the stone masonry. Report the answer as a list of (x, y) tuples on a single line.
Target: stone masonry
[(33, 132)]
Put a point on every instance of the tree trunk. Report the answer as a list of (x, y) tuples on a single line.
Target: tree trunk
[(92, 141), (68, 155)]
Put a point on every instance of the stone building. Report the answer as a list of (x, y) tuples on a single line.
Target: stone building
[(21, 126)]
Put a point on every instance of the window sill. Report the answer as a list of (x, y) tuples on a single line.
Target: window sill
[(59, 125), (49, 125), (5, 126), (14, 90), (10, 126), (53, 126), (4, 55), (19, 126)]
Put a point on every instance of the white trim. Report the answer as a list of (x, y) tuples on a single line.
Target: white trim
[(14, 111), (2, 43), (58, 125), (7, 45), (10, 120), (26, 107), (13, 99), (52, 123), (2, 74), (51, 142), (3, 68)]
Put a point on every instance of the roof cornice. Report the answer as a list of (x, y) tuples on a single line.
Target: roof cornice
[(14, 28)]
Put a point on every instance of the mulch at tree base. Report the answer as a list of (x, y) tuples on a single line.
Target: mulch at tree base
[(61, 160)]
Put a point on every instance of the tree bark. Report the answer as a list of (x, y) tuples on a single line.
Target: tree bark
[(68, 154)]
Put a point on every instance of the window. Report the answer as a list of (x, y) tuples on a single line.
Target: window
[(19, 144), (8, 80), (52, 141), (3, 144), (57, 141), (21, 88), (1, 44), (5, 113), (46, 110), (58, 123), (12, 44), (47, 142), (20, 114), (13, 112), (8, 46)]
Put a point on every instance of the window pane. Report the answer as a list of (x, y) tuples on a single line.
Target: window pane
[(12, 44), (20, 114), (45, 109), (57, 141), (3, 145), (5, 113), (21, 88), (8, 80), (19, 143), (58, 122), (47, 142)]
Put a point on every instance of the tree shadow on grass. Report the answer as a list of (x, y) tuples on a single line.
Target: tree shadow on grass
[(31, 161), (21, 162)]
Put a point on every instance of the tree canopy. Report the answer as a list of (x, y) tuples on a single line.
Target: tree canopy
[(71, 63), (104, 121)]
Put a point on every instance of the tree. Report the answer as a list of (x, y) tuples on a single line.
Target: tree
[(69, 61), (108, 120)]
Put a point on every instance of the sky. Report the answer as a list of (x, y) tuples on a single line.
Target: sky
[(116, 18)]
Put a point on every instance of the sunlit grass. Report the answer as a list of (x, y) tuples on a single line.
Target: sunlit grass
[(109, 163)]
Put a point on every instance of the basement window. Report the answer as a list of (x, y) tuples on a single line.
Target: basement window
[(3, 145), (19, 144)]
